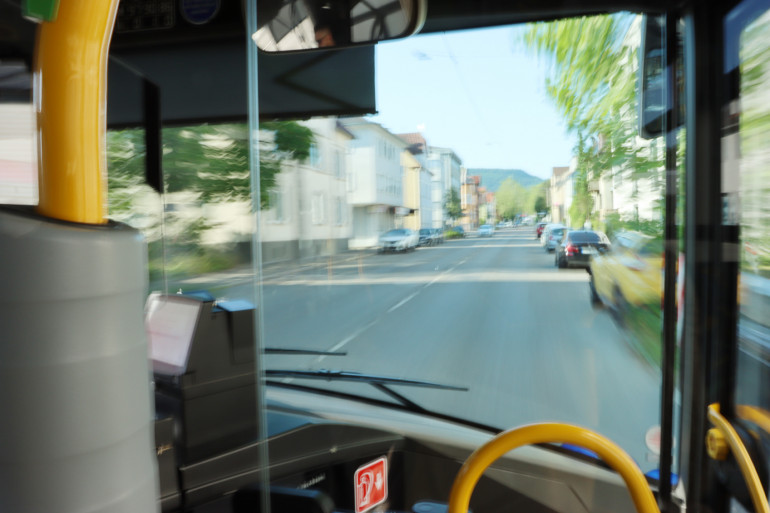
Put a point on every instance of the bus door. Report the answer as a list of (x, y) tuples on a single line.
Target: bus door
[(745, 192), (737, 361)]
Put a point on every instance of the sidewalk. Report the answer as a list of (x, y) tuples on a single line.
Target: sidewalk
[(272, 269)]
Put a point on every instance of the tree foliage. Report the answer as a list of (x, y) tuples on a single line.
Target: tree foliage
[(591, 79), (452, 205), (211, 161), (587, 71), (512, 199), (202, 165)]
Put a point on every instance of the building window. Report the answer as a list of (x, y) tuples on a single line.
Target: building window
[(318, 208), (339, 164), (351, 182), (315, 156), (276, 207), (339, 204)]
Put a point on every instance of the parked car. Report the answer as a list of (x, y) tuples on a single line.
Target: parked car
[(630, 273), (486, 230), (438, 235), (578, 247), (539, 229), (399, 239), (552, 235), (426, 237)]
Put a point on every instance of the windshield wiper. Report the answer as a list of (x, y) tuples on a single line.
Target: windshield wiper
[(381, 383), (310, 352)]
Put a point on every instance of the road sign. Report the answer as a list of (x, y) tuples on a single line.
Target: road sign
[(371, 484)]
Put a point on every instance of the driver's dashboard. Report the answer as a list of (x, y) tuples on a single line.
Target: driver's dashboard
[(320, 451), (317, 446)]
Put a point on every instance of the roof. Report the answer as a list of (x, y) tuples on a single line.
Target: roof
[(354, 125), (558, 171), (342, 128), (415, 140)]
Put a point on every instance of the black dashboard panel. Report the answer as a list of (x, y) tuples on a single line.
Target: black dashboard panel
[(323, 457)]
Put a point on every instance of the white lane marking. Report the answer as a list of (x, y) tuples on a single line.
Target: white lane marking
[(402, 302), (437, 278), (398, 305), (346, 340)]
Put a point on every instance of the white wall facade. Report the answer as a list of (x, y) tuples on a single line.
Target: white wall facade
[(426, 198), (446, 168), (375, 179), (309, 212)]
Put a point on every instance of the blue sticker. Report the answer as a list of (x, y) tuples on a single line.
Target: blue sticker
[(199, 12)]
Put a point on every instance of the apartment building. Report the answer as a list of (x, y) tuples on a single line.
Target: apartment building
[(375, 181)]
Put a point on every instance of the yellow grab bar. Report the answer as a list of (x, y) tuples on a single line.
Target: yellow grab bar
[(70, 100), (748, 470), (611, 453)]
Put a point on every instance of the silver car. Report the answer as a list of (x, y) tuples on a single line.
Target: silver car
[(552, 236), (486, 230), (399, 239)]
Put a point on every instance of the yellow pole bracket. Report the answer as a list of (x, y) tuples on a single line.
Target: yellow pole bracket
[(728, 434)]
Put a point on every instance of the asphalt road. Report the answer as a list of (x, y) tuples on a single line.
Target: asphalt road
[(490, 314)]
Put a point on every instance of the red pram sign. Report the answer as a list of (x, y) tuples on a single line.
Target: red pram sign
[(371, 483)]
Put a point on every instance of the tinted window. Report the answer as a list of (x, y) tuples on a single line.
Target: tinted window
[(584, 237)]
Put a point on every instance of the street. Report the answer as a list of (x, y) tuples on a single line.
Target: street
[(490, 314)]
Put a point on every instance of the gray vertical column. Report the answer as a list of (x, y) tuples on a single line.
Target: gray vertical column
[(75, 398)]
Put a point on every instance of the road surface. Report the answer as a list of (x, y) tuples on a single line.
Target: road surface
[(490, 314)]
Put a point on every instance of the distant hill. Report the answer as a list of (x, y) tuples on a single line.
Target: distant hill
[(492, 178)]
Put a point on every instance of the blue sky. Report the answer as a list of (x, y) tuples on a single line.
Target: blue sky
[(473, 92)]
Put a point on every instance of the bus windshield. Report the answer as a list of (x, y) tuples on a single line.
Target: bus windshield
[(370, 252)]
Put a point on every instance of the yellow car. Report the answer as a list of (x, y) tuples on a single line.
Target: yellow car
[(629, 273)]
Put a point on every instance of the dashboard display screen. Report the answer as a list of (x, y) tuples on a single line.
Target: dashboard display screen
[(170, 323)]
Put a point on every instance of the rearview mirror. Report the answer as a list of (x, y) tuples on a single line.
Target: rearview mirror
[(652, 78), (294, 25)]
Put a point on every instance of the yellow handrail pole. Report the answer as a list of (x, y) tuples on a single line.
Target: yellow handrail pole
[(611, 453), (753, 483), (70, 99)]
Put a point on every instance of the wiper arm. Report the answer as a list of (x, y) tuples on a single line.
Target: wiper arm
[(310, 352), (381, 383)]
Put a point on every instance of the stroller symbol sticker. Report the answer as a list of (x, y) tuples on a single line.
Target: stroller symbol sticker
[(371, 483)]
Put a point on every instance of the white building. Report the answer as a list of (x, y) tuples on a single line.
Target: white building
[(309, 213), (418, 147), (632, 195), (562, 190), (375, 181), (445, 167)]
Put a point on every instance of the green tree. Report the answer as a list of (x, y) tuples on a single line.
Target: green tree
[(591, 80), (582, 202), (211, 161), (588, 76), (510, 198), (208, 162), (541, 203), (452, 205)]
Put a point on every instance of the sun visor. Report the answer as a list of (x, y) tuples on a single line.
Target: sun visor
[(209, 83), (335, 82)]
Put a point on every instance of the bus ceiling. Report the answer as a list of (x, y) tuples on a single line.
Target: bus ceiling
[(209, 78)]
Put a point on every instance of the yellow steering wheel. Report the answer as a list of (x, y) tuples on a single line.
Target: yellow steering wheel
[(611, 453)]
